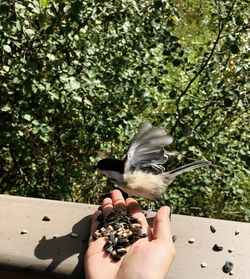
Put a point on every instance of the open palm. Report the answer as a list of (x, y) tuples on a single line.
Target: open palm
[(147, 258)]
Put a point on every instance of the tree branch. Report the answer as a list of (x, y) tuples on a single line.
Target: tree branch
[(203, 66)]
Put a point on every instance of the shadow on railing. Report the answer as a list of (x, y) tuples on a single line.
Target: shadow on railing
[(58, 249)]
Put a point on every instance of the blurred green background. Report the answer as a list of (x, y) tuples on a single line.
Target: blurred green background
[(77, 79)]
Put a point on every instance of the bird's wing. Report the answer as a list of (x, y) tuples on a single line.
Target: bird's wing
[(147, 148)]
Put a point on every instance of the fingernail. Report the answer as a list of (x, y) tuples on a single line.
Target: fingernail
[(168, 212)]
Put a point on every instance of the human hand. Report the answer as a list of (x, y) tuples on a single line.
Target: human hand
[(147, 258)]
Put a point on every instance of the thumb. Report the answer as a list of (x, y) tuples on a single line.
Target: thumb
[(162, 229)]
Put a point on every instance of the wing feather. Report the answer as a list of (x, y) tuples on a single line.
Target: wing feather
[(147, 148)]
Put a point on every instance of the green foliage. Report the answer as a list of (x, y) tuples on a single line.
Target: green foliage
[(78, 77)]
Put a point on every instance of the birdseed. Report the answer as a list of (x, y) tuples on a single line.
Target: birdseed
[(228, 266), (212, 229), (120, 231), (174, 237), (203, 265), (237, 232), (46, 218), (191, 240), (217, 248)]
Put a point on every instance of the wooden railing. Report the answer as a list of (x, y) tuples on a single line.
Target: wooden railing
[(31, 247)]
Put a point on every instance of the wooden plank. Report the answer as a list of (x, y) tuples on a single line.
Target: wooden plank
[(37, 254)]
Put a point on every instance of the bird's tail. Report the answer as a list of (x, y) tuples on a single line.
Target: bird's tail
[(186, 168)]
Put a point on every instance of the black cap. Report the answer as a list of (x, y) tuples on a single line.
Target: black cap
[(111, 165)]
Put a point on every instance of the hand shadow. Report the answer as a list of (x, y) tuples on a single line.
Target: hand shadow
[(61, 248)]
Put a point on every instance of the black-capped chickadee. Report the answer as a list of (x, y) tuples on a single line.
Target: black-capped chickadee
[(141, 173)]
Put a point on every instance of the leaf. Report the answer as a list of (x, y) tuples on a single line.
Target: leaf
[(239, 20), (6, 108), (7, 48), (27, 117), (77, 98), (43, 3), (74, 84), (87, 102)]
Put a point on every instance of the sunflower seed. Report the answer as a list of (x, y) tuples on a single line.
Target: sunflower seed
[(134, 220), (191, 240), (111, 217), (174, 237), (122, 211), (96, 235), (125, 225), (116, 257), (24, 232), (133, 239), (102, 230), (203, 265), (117, 226), (136, 226), (121, 251), (237, 232), (230, 250), (112, 237), (212, 229), (110, 228), (124, 244), (228, 266), (99, 226), (142, 235), (108, 247), (217, 248), (121, 239), (74, 235), (46, 218)]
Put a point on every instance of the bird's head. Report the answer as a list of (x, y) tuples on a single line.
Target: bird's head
[(112, 168)]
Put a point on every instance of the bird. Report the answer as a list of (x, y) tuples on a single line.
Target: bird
[(140, 172)]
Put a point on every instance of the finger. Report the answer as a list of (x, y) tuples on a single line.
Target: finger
[(135, 210), (94, 221), (118, 201), (107, 207), (117, 198), (162, 229)]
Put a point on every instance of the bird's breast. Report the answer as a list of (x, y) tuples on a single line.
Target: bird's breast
[(144, 185)]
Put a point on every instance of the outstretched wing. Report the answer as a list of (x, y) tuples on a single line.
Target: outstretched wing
[(147, 149)]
